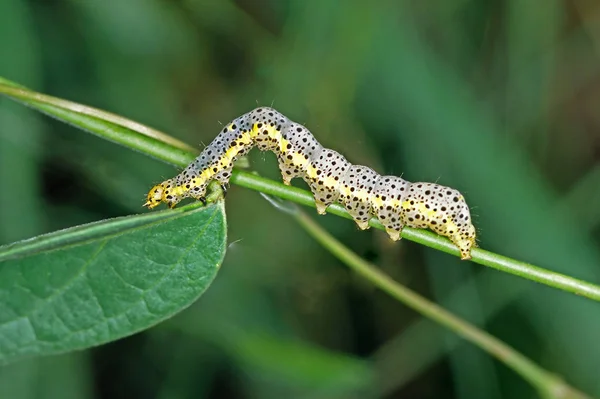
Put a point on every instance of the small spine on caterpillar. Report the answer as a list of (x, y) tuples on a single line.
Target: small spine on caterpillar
[(362, 191)]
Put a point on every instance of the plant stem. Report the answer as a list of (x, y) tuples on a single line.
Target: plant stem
[(19, 92), (546, 383)]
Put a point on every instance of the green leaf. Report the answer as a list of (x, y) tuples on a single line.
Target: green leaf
[(92, 284)]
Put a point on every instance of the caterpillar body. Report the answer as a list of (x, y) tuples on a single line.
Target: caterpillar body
[(363, 192)]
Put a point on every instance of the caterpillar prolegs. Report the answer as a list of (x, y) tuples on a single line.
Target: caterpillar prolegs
[(362, 191)]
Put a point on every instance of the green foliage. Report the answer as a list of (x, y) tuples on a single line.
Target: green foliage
[(497, 99), (95, 283)]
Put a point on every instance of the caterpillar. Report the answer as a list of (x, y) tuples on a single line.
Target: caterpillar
[(362, 191)]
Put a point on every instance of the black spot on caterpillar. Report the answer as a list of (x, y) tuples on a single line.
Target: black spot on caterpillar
[(362, 191)]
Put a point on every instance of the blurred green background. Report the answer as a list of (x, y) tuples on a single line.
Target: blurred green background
[(498, 99)]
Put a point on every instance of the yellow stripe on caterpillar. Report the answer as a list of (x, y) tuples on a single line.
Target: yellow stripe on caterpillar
[(283, 143), (429, 213), (311, 172), (377, 202)]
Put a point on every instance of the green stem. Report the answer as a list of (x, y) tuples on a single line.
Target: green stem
[(18, 92), (546, 383), (167, 149)]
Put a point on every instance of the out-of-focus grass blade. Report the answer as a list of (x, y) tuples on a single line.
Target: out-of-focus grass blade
[(311, 372)]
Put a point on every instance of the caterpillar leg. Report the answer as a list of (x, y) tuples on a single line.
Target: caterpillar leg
[(362, 224), (356, 189), (223, 178), (464, 245), (321, 207), (287, 173), (224, 188), (323, 175), (296, 147), (394, 232), (386, 204)]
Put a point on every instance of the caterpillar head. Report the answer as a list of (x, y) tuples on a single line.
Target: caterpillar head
[(161, 193), (155, 196)]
